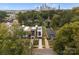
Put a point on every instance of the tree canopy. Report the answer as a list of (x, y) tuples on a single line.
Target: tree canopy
[(67, 39), (3, 14)]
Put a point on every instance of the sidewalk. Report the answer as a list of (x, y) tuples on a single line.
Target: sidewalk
[(46, 43)]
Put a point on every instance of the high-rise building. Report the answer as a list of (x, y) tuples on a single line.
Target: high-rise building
[(44, 6)]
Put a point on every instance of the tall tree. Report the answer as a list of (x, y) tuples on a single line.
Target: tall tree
[(67, 39), (3, 14)]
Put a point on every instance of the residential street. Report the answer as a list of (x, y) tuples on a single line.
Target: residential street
[(44, 51)]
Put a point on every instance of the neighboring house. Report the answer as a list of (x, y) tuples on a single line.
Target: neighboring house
[(35, 31)]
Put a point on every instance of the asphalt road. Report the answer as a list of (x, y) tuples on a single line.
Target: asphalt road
[(44, 51)]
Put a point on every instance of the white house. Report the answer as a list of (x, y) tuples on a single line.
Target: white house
[(35, 31), (39, 32)]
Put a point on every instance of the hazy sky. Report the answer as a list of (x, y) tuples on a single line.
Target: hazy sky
[(26, 6)]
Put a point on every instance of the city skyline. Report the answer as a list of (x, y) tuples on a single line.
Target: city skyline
[(30, 6)]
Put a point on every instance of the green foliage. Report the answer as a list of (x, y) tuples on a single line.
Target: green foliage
[(11, 42), (4, 32), (22, 17), (67, 39), (75, 18), (55, 21), (35, 42), (60, 18), (17, 30), (75, 10), (34, 17), (2, 15)]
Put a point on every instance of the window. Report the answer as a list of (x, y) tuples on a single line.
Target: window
[(32, 33), (39, 33)]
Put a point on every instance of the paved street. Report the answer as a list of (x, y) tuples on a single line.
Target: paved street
[(44, 51)]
